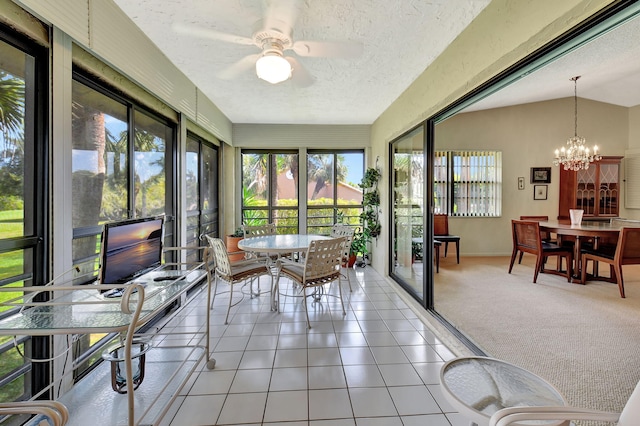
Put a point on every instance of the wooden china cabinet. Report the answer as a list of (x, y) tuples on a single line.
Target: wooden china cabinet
[(594, 190)]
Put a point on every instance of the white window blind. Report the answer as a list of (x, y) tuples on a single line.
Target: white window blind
[(468, 183)]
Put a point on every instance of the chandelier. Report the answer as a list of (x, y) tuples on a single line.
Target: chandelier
[(576, 156)]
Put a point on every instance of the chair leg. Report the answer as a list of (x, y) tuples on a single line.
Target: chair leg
[(446, 248), (457, 251), (226, 319), (340, 293), (346, 272), (275, 292), (583, 275), (215, 291), (520, 258), (304, 302), (538, 267), (251, 293), (618, 271), (513, 259)]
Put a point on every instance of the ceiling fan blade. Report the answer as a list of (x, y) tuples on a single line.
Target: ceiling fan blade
[(198, 31), (239, 67), (328, 49), (278, 12), (300, 76)]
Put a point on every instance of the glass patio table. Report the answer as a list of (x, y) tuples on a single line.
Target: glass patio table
[(479, 386), (278, 245)]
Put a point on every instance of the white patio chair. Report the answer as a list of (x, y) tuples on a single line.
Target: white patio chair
[(340, 230), (234, 273), (321, 266), (629, 416)]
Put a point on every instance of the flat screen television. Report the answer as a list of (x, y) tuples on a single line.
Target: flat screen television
[(130, 248)]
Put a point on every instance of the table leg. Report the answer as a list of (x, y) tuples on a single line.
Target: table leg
[(577, 269), (275, 291)]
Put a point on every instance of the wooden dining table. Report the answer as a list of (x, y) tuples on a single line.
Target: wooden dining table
[(586, 230)]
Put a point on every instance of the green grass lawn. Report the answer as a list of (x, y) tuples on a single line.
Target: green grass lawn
[(11, 264), (11, 226)]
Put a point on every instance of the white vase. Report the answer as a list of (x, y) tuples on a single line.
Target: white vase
[(576, 216)]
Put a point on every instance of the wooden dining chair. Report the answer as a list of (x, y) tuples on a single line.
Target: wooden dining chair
[(321, 266), (626, 252), (527, 239), (441, 233), (546, 235), (436, 254)]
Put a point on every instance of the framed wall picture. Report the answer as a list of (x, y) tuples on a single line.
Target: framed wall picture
[(539, 192), (541, 175)]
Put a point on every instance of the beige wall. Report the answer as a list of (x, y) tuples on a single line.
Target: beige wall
[(527, 135), (634, 127), (505, 32)]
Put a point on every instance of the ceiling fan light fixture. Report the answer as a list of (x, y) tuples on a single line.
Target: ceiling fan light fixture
[(273, 67)]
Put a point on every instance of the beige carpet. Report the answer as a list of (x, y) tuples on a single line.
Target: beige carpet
[(584, 339)]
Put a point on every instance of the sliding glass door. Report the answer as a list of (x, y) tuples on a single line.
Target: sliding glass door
[(409, 261)]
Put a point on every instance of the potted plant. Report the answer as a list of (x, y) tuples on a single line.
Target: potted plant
[(416, 251), (231, 241), (370, 204), (358, 248), (370, 178)]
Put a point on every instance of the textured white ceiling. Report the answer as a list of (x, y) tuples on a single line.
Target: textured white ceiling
[(608, 66), (398, 40)]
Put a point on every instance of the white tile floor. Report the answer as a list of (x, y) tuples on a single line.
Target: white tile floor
[(378, 365)]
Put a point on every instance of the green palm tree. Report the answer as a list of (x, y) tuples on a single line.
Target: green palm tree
[(11, 106), (254, 174), (320, 170)]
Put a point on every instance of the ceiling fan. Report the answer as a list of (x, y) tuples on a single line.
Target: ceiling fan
[(274, 37)]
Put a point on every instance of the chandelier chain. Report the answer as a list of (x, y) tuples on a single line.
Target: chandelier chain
[(576, 156), (575, 105)]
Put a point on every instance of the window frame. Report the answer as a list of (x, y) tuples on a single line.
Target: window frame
[(36, 207), (203, 227), (271, 209), (89, 354), (335, 206)]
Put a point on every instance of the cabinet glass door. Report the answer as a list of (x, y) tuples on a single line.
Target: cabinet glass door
[(597, 189)]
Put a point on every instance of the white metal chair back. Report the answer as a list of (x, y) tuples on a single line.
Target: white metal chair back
[(221, 258), (321, 266), (342, 230), (258, 230), (234, 273), (322, 262)]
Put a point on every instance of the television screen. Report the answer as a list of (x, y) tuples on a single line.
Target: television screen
[(130, 248)]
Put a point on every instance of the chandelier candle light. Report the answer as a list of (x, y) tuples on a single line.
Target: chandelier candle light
[(576, 156)]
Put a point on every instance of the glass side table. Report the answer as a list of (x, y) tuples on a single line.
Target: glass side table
[(479, 386)]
